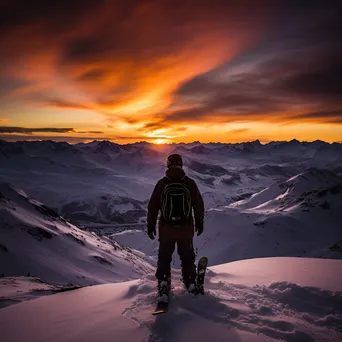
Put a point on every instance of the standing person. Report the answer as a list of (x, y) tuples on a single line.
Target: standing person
[(181, 208)]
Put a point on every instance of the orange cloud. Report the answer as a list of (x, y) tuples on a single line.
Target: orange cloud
[(238, 131), (124, 60)]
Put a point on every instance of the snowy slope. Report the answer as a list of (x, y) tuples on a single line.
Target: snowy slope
[(302, 187), (34, 240), (300, 216), (260, 300), (14, 290)]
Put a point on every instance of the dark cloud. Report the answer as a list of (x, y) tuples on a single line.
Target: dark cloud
[(90, 132), (70, 139), (75, 140), (326, 114), (152, 125), (325, 82), (24, 130), (332, 116), (93, 75), (84, 50), (58, 15), (301, 70)]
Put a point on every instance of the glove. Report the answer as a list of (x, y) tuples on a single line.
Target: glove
[(199, 228), (151, 232)]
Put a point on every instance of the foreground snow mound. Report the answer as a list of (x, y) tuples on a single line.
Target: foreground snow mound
[(35, 240), (236, 307)]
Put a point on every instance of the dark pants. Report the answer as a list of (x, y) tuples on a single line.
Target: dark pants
[(187, 256)]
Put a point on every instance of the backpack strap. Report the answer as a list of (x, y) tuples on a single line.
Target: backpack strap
[(185, 180)]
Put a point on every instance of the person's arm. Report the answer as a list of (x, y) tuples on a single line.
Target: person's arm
[(153, 207), (198, 206)]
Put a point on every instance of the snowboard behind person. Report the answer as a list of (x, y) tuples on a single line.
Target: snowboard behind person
[(181, 207)]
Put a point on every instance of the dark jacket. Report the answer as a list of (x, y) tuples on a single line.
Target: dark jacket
[(165, 230)]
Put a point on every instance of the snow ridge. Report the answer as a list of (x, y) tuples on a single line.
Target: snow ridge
[(35, 240)]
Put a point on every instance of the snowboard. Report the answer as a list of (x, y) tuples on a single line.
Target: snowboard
[(161, 307), (201, 269)]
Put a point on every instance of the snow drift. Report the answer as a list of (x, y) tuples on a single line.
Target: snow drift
[(261, 300)]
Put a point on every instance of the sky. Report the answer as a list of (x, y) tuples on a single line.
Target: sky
[(170, 71)]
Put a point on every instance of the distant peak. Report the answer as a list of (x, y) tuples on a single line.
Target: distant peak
[(294, 141)]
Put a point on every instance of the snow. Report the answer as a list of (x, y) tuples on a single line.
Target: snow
[(301, 271), (266, 206), (17, 289), (37, 241), (138, 240), (270, 309)]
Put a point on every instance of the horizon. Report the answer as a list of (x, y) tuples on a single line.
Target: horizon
[(166, 72), (263, 143)]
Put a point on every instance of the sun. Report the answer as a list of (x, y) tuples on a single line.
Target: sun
[(161, 141)]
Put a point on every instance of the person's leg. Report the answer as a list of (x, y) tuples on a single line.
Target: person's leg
[(166, 249), (187, 255)]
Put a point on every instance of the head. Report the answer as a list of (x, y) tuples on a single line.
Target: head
[(174, 161)]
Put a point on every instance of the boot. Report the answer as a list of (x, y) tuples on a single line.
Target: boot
[(164, 287), (190, 285)]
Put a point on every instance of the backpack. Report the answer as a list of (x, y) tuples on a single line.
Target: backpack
[(176, 202)]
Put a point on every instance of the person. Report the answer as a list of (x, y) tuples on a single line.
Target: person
[(181, 207)]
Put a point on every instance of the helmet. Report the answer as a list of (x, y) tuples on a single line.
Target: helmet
[(174, 160)]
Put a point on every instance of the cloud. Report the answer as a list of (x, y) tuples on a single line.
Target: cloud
[(65, 104), (24, 130), (18, 14), (69, 139), (180, 129), (276, 83), (3, 120), (333, 114), (238, 130), (74, 140), (121, 58), (171, 64), (90, 132)]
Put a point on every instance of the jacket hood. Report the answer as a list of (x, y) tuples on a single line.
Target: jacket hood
[(174, 173)]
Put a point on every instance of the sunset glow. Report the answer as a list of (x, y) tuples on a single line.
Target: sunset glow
[(168, 72)]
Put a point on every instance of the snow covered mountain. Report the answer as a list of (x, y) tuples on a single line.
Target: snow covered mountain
[(36, 241), (260, 300), (261, 200), (104, 182)]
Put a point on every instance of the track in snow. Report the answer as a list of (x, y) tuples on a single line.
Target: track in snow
[(280, 311)]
